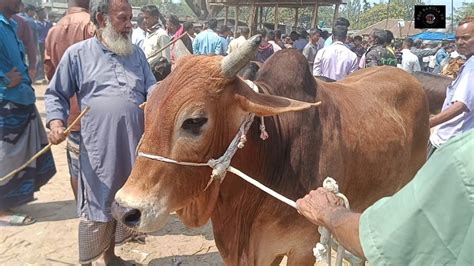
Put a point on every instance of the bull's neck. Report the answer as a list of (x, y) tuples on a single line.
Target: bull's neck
[(278, 163)]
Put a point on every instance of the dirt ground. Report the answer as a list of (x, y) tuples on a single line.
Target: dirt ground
[(52, 240)]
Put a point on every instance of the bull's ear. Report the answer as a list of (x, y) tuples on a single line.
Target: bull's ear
[(267, 105)]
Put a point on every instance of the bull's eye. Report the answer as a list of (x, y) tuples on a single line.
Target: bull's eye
[(194, 125)]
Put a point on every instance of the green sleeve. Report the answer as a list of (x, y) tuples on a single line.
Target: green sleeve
[(430, 221)]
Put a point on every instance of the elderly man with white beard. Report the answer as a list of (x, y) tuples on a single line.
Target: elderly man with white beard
[(112, 76)]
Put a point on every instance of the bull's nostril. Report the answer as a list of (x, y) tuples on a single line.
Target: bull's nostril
[(132, 218)]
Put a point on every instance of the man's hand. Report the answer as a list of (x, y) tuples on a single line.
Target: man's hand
[(317, 205), (56, 134), (14, 76), (32, 74)]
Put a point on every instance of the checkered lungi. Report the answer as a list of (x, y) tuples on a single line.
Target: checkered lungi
[(95, 238)]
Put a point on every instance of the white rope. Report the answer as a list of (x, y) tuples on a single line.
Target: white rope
[(167, 160), (263, 132), (262, 187)]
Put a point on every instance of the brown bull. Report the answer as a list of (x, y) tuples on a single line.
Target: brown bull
[(369, 133)]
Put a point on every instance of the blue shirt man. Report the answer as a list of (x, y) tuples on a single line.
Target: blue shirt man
[(440, 56), (224, 45), (12, 55), (207, 43), (21, 132), (43, 28)]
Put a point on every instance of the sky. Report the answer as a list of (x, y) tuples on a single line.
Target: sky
[(457, 3), (447, 3)]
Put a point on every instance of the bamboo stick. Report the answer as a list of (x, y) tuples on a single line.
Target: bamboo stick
[(43, 150)]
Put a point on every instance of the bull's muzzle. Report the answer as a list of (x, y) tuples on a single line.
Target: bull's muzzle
[(128, 216)]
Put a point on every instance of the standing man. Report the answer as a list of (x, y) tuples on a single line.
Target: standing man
[(339, 22), (457, 114), (300, 43), (111, 76), (441, 55), (237, 42), (183, 46), (223, 35), (377, 54), (76, 26), (28, 12), (139, 33), (21, 131), (207, 42), (265, 49), (25, 34), (311, 49), (43, 27), (410, 61), (272, 41), (156, 36), (421, 53), (358, 49), (189, 28), (336, 61)]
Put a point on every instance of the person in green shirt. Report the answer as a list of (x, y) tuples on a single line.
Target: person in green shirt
[(428, 222)]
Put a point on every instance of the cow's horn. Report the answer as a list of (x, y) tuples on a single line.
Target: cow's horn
[(235, 61)]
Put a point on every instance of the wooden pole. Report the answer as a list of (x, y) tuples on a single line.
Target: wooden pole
[(236, 24), (336, 14), (260, 22), (276, 17), (314, 21), (43, 150), (226, 14), (296, 17), (253, 19)]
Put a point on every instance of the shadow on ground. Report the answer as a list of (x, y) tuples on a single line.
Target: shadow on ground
[(50, 211), (176, 227), (201, 259)]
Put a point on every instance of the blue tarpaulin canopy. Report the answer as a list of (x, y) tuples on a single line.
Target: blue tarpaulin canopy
[(433, 36)]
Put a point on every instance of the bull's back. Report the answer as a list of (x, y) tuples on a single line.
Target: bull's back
[(375, 130)]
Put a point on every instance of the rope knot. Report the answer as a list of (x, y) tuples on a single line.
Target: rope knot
[(331, 185), (243, 140)]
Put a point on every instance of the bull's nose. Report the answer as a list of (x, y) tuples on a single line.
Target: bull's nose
[(128, 216)]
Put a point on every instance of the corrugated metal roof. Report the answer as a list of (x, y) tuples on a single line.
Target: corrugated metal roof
[(392, 25)]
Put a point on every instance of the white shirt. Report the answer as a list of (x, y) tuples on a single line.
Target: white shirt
[(335, 61), (460, 90), (154, 41), (410, 62), (235, 44), (275, 46), (138, 37)]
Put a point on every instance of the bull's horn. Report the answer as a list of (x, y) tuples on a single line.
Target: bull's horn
[(235, 61)]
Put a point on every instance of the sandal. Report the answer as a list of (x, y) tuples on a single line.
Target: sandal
[(18, 220)]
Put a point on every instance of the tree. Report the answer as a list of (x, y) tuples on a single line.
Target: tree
[(366, 6), (396, 9), (467, 9)]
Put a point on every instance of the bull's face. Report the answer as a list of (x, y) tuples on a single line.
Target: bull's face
[(191, 117)]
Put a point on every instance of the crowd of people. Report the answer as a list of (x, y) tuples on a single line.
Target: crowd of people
[(95, 55)]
